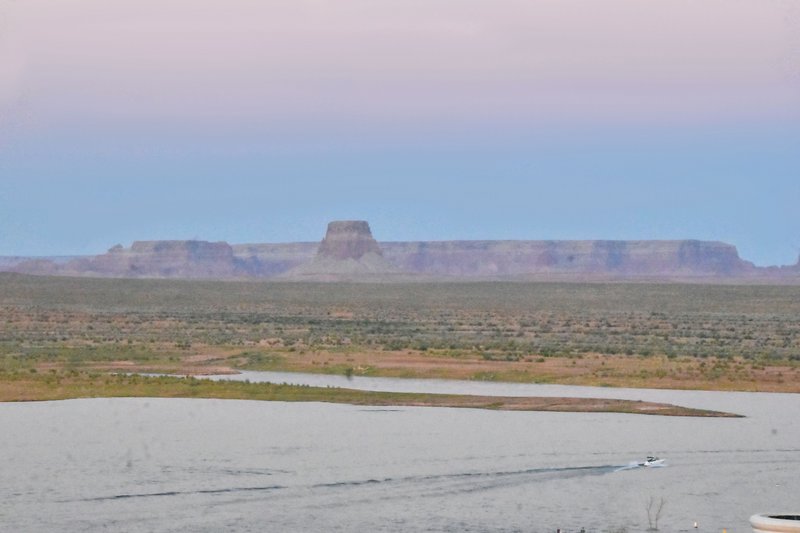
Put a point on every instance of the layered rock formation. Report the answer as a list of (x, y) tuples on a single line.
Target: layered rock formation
[(348, 239), (591, 258), (160, 259), (267, 260), (348, 251)]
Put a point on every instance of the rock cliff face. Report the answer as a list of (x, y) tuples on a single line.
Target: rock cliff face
[(348, 239), (162, 259), (348, 252), (592, 258), (265, 260)]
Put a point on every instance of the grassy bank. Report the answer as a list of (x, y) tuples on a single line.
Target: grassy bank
[(29, 386)]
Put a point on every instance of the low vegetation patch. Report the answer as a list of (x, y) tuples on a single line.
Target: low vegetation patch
[(640, 335), (33, 386)]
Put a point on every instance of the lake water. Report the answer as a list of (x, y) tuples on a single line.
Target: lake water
[(225, 465)]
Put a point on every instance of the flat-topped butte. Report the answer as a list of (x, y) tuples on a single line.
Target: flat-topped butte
[(350, 252)]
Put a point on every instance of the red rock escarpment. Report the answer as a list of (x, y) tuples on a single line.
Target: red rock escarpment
[(348, 252), (601, 258), (167, 259), (348, 239)]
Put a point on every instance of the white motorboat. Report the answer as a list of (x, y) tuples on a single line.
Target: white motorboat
[(783, 523), (652, 461)]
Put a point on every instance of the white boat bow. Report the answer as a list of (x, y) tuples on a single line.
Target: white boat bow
[(652, 461)]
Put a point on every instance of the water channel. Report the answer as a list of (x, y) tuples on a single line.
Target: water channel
[(146, 464)]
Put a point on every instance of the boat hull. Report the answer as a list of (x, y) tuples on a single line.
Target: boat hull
[(775, 523)]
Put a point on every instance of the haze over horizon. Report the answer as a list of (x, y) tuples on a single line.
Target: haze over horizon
[(251, 121)]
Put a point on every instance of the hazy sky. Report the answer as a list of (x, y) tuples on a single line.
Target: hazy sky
[(261, 120)]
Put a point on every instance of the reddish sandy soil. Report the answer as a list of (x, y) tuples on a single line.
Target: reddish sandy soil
[(598, 370)]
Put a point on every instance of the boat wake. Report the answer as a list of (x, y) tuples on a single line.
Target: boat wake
[(432, 485), (184, 493)]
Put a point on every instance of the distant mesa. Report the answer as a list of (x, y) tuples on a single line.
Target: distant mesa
[(158, 259), (39, 267), (348, 239), (189, 259), (349, 252), (576, 260)]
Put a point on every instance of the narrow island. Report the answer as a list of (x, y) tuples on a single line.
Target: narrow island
[(18, 387)]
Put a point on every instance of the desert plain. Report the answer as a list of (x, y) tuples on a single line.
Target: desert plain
[(64, 337)]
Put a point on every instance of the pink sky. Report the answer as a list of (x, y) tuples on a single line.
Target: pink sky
[(629, 61)]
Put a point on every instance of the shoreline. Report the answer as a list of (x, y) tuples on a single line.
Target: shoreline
[(609, 372), (232, 371), (618, 371), (20, 387)]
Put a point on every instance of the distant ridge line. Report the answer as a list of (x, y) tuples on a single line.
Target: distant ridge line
[(349, 252)]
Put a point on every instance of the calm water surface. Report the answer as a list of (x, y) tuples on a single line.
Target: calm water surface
[(224, 465)]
